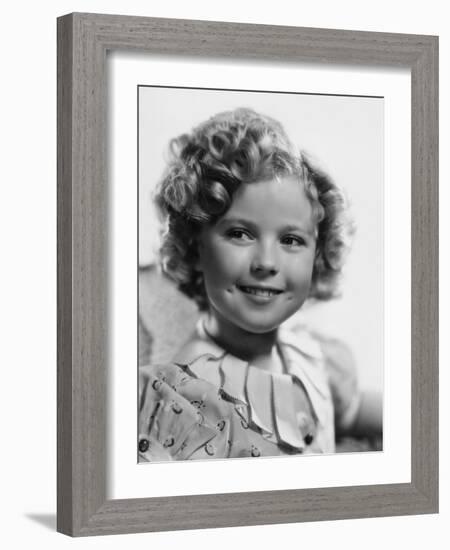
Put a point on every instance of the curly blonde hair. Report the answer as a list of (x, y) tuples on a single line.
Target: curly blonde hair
[(205, 169)]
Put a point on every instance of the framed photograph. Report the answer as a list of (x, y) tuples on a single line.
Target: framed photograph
[(247, 274)]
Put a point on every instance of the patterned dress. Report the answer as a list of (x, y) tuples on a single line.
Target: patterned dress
[(218, 406)]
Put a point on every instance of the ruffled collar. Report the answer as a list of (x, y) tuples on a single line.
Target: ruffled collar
[(286, 408)]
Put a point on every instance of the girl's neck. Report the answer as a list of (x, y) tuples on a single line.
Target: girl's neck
[(258, 349)]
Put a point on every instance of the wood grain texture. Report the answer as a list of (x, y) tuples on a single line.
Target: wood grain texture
[(64, 294), (83, 230), (424, 258)]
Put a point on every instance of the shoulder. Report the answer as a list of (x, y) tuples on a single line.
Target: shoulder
[(300, 339), (332, 352), (198, 345), (195, 348), (339, 360)]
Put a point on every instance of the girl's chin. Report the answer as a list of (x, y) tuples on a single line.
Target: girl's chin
[(258, 326), (253, 322)]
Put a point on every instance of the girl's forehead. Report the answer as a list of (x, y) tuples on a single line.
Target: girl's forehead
[(281, 197)]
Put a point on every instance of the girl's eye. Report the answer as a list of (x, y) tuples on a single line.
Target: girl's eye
[(292, 240), (239, 235)]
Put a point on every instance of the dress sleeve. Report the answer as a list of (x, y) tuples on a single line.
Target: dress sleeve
[(176, 414), (343, 380)]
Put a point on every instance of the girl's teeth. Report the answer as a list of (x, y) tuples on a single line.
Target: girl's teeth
[(258, 291)]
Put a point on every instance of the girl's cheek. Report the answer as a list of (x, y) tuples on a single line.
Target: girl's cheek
[(301, 273), (231, 265)]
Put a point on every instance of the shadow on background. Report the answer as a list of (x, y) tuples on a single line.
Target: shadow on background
[(47, 520)]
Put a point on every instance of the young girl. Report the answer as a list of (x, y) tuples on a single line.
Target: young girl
[(252, 231)]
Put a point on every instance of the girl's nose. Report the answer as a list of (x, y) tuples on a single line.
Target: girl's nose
[(265, 261)]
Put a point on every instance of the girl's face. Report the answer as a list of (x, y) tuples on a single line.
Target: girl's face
[(257, 260)]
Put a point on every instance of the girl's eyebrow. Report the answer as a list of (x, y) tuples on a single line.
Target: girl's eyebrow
[(237, 221), (309, 230), (254, 227)]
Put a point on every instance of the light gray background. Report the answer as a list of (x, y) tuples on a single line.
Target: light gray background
[(28, 285), (345, 136)]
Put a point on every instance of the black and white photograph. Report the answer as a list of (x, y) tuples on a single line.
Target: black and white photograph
[(221, 246), (261, 290)]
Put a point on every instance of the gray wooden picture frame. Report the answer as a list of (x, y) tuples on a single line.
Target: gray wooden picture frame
[(83, 41)]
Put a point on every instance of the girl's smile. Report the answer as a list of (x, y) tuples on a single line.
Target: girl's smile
[(260, 293), (257, 260)]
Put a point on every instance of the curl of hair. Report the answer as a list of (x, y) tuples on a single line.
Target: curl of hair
[(205, 169)]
